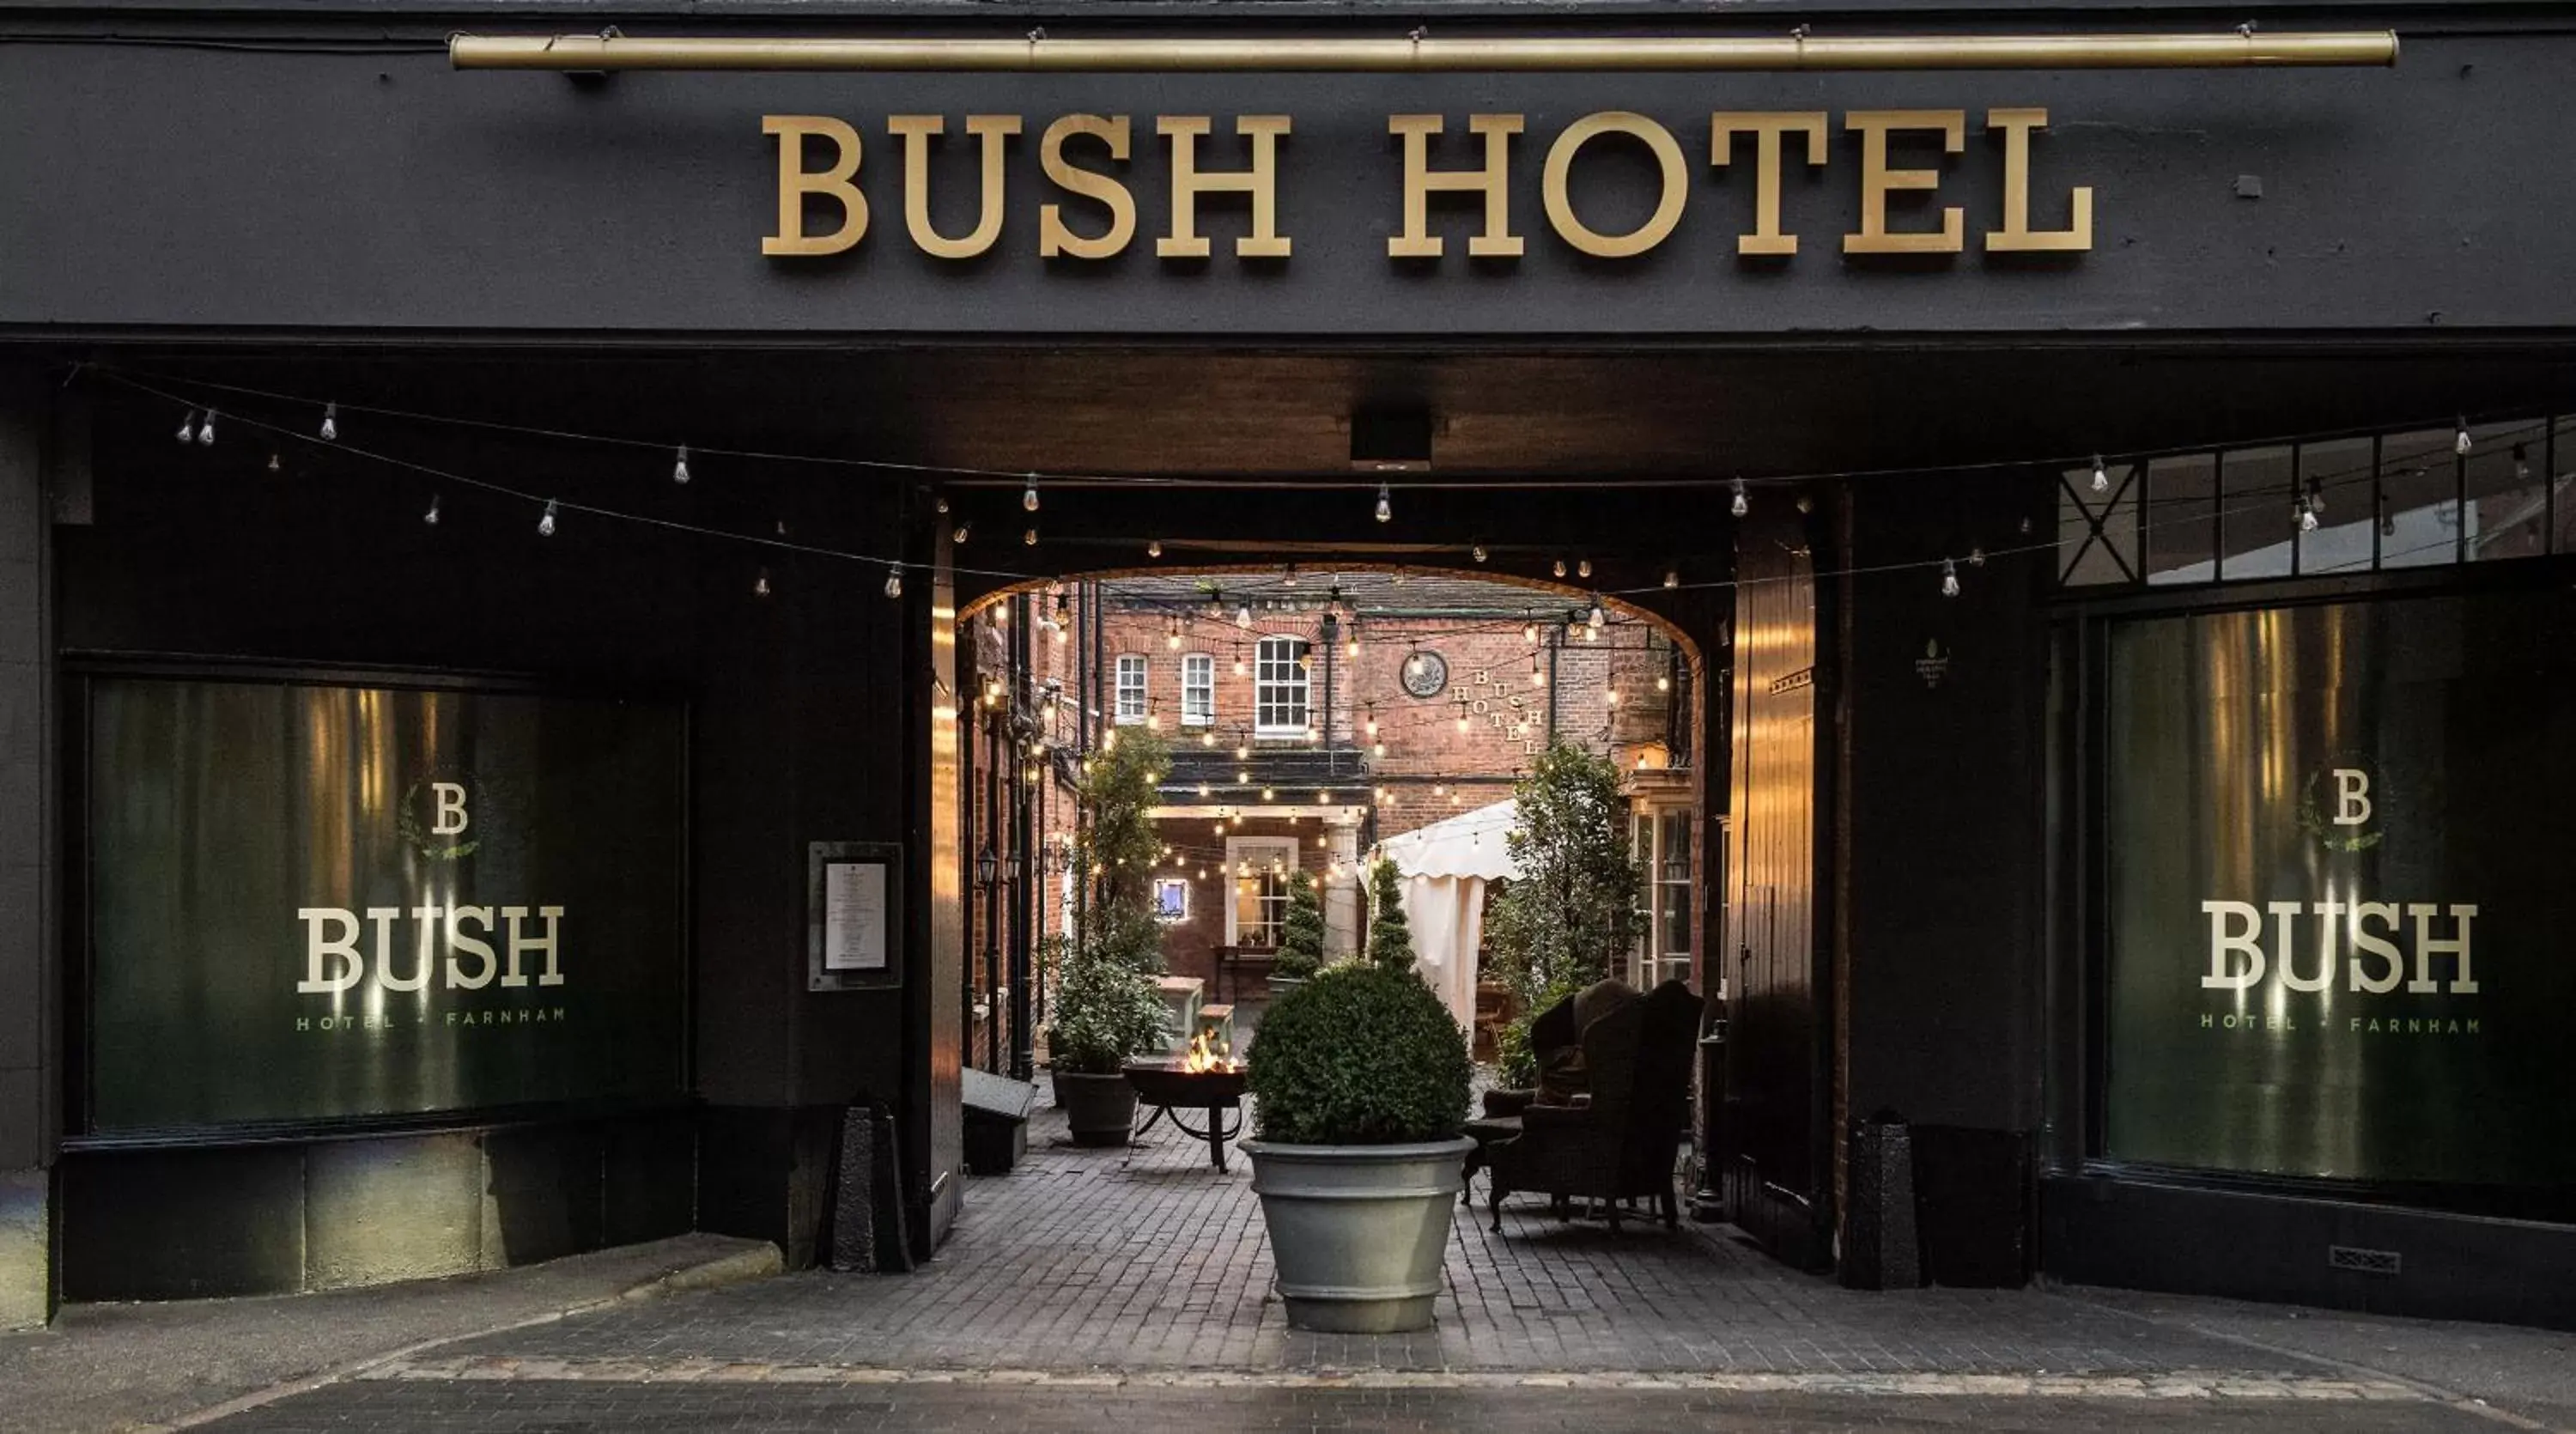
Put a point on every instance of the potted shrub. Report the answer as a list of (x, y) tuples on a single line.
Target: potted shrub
[(1106, 1009), (1359, 1079), (1106, 1005), (1301, 936)]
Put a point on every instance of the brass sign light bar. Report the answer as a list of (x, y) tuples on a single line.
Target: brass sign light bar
[(2244, 48)]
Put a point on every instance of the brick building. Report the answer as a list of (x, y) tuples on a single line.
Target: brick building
[(1311, 715)]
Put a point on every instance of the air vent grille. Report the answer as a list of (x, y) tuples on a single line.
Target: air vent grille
[(2368, 1262)]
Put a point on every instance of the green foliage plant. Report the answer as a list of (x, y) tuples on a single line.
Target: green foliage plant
[(1572, 911), (1301, 937), (1390, 936), (1106, 1005), (1359, 1055)]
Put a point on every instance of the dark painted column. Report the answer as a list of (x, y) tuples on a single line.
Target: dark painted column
[(28, 1055)]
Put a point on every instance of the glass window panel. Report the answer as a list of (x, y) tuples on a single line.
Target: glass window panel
[(2083, 559), (1131, 688), (2506, 503), (2419, 499), (2260, 523), (1198, 690), (2182, 519), (1279, 686), (2336, 480)]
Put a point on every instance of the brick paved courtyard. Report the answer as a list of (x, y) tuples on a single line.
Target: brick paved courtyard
[(1148, 1259), (1129, 1289)]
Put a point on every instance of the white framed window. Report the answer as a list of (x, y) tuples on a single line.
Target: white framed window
[(1662, 841), (1279, 688), (1260, 868), (1198, 690), (1171, 898), (1131, 688)]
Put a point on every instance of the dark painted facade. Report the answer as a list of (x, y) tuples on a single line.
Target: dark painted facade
[(284, 210)]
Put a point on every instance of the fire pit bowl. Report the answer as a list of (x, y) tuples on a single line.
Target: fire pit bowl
[(1169, 1083), (1171, 1087)]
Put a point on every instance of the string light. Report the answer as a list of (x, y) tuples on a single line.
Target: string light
[(1949, 578), (680, 467), (1154, 548), (274, 462), (206, 430), (1537, 677), (1477, 552), (330, 423), (1583, 569), (188, 426), (894, 580), (1672, 577), (1029, 495), (2521, 465), (1029, 539), (431, 517), (960, 535), (760, 586), (546, 520), (1242, 620), (1741, 504), (2460, 440), (1291, 580), (1559, 568), (2303, 515), (1385, 504), (1663, 682), (1529, 632), (2101, 475), (1594, 618)]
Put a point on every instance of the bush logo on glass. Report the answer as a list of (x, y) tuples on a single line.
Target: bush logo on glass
[(461, 948), (2364, 947)]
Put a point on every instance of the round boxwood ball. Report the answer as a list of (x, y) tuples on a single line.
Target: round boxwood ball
[(1359, 1055)]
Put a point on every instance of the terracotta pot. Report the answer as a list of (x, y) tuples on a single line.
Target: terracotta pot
[(1099, 1108)]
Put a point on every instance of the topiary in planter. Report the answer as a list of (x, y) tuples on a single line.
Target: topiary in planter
[(1301, 940), (1359, 1055)]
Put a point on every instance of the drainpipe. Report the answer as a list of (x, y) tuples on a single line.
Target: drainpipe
[(1023, 1041), (1555, 640)]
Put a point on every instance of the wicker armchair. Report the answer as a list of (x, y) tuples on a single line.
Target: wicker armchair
[(1619, 1140)]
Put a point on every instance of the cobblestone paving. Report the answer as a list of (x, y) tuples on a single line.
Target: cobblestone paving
[(1147, 1259)]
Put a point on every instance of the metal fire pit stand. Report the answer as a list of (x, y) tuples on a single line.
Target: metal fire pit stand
[(1167, 1090)]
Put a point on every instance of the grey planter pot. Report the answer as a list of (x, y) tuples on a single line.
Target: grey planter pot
[(1358, 1231), (1098, 1108)]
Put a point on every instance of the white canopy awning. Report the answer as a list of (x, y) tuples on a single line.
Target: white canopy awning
[(1468, 844)]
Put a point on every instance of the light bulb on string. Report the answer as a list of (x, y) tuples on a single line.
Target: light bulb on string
[(1029, 495), (1663, 682), (1583, 569), (2521, 465), (2460, 440), (206, 430), (960, 535), (188, 426), (1595, 617), (1029, 539), (1672, 577), (1477, 552), (760, 584), (1529, 632), (1462, 717), (2303, 515), (1610, 696), (1742, 504), (1291, 580), (2101, 475), (330, 423), (431, 517), (894, 580), (1976, 557), (1949, 578), (1558, 568), (274, 462), (1243, 620), (1153, 547), (2316, 500), (680, 468), (1538, 677), (1385, 503), (546, 520)]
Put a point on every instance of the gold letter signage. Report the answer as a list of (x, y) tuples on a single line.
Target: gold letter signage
[(827, 169)]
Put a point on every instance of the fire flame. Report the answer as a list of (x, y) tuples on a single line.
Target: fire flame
[(1204, 1056)]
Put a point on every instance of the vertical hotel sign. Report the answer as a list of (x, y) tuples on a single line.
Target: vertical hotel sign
[(2337, 911), (317, 903)]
